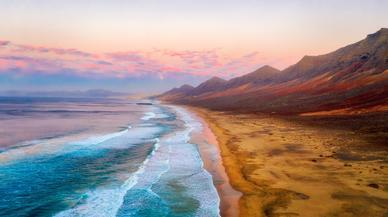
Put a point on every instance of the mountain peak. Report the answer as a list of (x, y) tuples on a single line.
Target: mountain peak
[(210, 85), (178, 90), (381, 32), (268, 67), (186, 86), (213, 81), (216, 79), (262, 72), (263, 75)]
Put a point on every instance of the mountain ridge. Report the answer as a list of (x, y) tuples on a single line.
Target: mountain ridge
[(336, 80)]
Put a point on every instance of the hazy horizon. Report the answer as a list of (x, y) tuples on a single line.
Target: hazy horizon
[(149, 46)]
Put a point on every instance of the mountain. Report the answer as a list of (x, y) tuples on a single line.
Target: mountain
[(350, 79), (370, 53), (176, 93), (263, 75), (213, 84)]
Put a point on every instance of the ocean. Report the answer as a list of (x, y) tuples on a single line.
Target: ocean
[(100, 157)]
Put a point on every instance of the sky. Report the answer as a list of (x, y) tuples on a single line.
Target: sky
[(154, 45)]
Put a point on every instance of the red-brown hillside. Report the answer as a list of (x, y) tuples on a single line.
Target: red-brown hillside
[(354, 77)]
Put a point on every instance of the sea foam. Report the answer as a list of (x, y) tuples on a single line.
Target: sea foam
[(106, 202), (152, 190), (175, 163), (148, 116), (199, 183)]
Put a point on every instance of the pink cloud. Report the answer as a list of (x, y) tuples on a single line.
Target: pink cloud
[(205, 58), (131, 56), (4, 43), (160, 63), (58, 51)]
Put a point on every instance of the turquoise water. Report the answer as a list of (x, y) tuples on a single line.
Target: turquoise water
[(141, 165)]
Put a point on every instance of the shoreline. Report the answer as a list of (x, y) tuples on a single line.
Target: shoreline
[(283, 165), (214, 163), (248, 191)]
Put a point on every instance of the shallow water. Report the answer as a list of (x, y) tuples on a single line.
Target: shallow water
[(139, 163)]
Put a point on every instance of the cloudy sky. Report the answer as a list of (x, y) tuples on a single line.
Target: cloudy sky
[(153, 45)]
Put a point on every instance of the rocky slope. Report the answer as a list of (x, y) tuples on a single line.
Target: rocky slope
[(350, 79)]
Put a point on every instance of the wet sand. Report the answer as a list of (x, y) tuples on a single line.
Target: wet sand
[(304, 166), (210, 154)]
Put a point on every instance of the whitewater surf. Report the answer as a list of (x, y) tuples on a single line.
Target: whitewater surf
[(148, 168)]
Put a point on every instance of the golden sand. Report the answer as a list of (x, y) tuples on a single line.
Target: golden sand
[(290, 168)]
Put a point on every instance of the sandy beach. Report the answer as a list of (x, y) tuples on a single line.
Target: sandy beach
[(303, 166), (213, 163)]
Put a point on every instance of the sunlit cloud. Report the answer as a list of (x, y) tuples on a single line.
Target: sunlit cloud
[(4, 43), (159, 63)]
